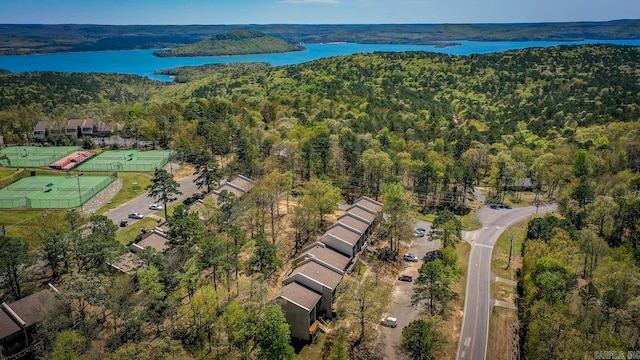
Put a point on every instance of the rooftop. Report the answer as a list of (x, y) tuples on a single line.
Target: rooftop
[(235, 191), (354, 221), (325, 276), (325, 254), (154, 240), (369, 203), (300, 295), (360, 211), (242, 182), (126, 263), (7, 325), (33, 308), (341, 232)]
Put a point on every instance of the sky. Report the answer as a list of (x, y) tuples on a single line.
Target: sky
[(179, 12)]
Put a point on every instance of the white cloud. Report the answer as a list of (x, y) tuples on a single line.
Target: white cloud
[(309, 1)]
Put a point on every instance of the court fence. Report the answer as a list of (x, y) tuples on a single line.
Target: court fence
[(71, 201)]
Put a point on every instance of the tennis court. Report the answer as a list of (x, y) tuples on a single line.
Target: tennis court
[(33, 156), (58, 192), (128, 160)]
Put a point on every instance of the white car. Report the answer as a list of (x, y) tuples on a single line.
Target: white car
[(155, 207), (389, 321), (410, 257), (136, 216)]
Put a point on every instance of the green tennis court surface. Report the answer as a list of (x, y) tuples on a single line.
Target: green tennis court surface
[(128, 160), (33, 156), (45, 192)]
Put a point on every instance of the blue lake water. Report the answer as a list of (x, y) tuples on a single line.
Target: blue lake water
[(142, 62)]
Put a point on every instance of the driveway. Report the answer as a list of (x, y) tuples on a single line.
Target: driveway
[(141, 203), (475, 321), (401, 307)]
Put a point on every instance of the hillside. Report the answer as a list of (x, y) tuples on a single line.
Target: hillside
[(416, 130), (19, 39), (232, 43)]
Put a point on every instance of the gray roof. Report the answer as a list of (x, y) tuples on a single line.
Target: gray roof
[(341, 232), (321, 274), (7, 326), (369, 203), (126, 263), (33, 308), (243, 182), (300, 295), (234, 190), (42, 126), (327, 255), (154, 240), (354, 221), (360, 211)]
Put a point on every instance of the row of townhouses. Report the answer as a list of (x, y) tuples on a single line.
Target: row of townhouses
[(308, 293), (73, 127)]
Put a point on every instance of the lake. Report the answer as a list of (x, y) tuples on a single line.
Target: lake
[(142, 62)]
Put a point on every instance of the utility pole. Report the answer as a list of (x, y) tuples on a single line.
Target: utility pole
[(79, 192), (510, 251)]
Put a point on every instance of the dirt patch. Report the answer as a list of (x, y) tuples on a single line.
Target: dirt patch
[(184, 171)]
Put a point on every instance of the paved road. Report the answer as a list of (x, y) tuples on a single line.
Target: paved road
[(141, 203), (475, 321), (401, 307)]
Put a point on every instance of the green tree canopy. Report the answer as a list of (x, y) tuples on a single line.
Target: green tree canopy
[(163, 188)]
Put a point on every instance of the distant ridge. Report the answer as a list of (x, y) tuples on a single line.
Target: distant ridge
[(19, 39), (240, 42)]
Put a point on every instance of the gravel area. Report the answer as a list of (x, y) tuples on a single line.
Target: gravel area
[(102, 198)]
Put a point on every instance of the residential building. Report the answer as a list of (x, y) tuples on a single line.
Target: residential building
[(308, 293), (19, 318)]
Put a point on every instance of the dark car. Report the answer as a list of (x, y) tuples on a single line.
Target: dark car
[(190, 200), (124, 223), (407, 278), (499, 206)]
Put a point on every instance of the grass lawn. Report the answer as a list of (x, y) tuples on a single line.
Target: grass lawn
[(129, 233), (426, 217), (500, 255), (6, 172), (499, 345), (129, 190), (454, 321), (470, 222), (26, 224)]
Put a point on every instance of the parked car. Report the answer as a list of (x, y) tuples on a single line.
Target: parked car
[(155, 207), (410, 257), (499, 206), (136, 216), (190, 200), (389, 321), (420, 232), (124, 223), (407, 278)]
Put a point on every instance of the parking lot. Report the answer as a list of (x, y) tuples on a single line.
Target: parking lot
[(401, 307)]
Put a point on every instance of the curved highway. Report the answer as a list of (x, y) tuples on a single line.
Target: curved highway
[(475, 322)]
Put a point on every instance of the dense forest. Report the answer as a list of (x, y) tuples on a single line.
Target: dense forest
[(240, 42), (37, 39), (366, 124)]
